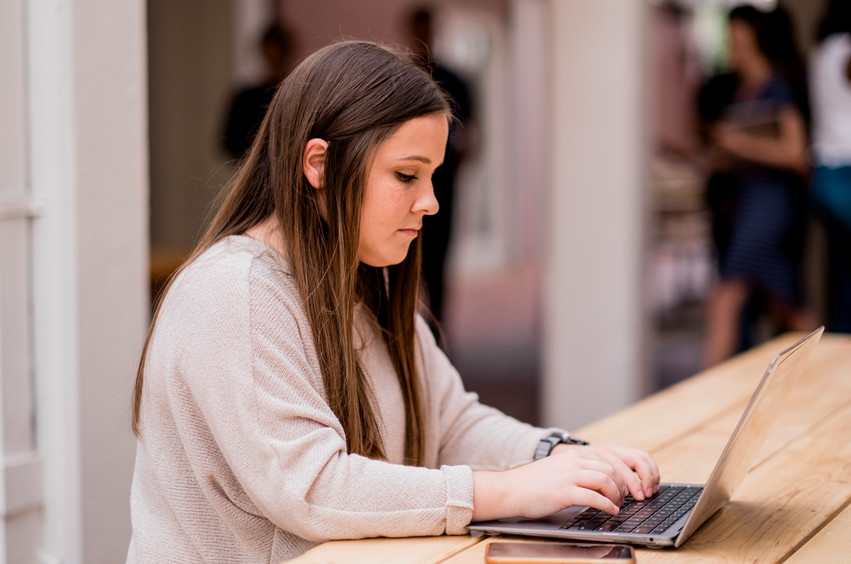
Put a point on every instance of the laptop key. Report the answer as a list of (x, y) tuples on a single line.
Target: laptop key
[(594, 524), (609, 526), (675, 516)]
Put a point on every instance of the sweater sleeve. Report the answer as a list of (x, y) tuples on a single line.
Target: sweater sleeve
[(247, 361), (470, 432)]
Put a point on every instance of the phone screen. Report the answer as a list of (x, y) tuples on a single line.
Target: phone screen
[(558, 552)]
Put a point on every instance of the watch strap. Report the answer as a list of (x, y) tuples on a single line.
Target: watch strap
[(547, 444)]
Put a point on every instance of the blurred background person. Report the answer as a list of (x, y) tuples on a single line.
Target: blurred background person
[(249, 104), (720, 189), (830, 87), (437, 229), (761, 141)]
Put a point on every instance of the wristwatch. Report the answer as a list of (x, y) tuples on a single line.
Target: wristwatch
[(547, 444)]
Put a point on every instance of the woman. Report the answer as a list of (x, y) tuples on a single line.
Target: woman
[(288, 393), (830, 86), (762, 142)]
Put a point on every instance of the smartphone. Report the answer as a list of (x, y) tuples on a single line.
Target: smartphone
[(558, 552)]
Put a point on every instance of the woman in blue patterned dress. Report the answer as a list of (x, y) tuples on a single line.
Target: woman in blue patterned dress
[(763, 141)]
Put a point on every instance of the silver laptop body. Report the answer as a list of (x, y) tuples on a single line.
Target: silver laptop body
[(731, 468)]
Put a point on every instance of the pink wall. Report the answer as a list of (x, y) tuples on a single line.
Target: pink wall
[(319, 22)]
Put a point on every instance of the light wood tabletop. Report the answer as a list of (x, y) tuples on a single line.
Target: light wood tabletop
[(794, 505)]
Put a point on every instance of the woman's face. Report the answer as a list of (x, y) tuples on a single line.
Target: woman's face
[(398, 189), (743, 45)]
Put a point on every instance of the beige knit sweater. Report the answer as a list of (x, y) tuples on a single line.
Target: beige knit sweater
[(242, 460)]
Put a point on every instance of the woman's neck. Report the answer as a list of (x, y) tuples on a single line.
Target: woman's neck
[(268, 232), (755, 73)]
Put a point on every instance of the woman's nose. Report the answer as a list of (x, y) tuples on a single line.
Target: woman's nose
[(426, 202)]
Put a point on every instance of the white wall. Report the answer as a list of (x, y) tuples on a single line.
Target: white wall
[(20, 463), (85, 160), (594, 323)]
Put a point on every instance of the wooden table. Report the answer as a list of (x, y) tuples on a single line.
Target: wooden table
[(794, 506)]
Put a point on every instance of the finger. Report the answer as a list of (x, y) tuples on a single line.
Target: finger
[(605, 483), (631, 480), (646, 470), (592, 498), (637, 468)]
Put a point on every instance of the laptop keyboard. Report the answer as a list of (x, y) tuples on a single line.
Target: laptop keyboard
[(651, 516)]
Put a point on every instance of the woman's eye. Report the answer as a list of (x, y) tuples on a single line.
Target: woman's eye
[(405, 177)]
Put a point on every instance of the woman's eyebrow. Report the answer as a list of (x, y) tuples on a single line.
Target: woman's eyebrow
[(425, 160)]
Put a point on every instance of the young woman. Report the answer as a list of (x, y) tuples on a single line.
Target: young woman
[(762, 141), (288, 392)]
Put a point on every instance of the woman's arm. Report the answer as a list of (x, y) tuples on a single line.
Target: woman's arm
[(786, 151), (466, 431)]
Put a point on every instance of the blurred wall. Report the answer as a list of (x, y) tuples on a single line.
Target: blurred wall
[(73, 274), (322, 21), (190, 79), (806, 15)]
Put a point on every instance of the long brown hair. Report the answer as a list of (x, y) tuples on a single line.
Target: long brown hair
[(353, 95)]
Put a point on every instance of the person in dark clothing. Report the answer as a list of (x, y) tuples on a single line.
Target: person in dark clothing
[(720, 194), (437, 229), (249, 104), (761, 140)]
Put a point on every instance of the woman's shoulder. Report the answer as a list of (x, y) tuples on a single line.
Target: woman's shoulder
[(235, 257), (230, 273), (780, 91), (237, 253)]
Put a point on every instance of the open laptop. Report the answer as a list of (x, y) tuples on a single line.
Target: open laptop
[(683, 507)]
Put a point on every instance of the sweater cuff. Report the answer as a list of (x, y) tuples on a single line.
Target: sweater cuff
[(459, 498)]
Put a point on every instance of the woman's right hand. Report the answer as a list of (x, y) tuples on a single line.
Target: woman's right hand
[(592, 476)]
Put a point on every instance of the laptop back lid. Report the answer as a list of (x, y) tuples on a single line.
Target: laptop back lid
[(742, 447)]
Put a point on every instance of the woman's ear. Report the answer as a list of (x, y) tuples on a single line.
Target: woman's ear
[(313, 163)]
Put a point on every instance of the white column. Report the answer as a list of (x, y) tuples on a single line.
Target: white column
[(21, 493), (87, 123), (594, 321)]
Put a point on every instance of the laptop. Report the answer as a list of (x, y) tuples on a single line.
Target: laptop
[(672, 515)]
